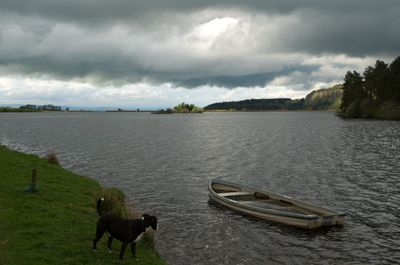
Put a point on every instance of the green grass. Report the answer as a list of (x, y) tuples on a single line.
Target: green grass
[(57, 224)]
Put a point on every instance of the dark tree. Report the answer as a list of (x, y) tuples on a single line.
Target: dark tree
[(394, 72), (375, 95), (381, 81), (353, 93), (369, 86)]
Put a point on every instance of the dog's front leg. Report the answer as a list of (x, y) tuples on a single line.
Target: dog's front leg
[(133, 249), (109, 242), (99, 234), (123, 246)]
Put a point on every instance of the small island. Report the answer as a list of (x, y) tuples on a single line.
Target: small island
[(181, 108)]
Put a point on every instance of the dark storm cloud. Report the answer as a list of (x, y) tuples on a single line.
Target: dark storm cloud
[(119, 72), (158, 41), (355, 34), (100, 10), (252, 80)]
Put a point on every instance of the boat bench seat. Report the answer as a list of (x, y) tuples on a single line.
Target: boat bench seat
[(265, 204), (270, 206), (235, 193)]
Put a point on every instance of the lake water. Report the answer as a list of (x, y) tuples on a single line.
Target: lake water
[(163, 163)]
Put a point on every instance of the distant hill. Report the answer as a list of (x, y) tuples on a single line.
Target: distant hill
[(322, 99), (257, 104)]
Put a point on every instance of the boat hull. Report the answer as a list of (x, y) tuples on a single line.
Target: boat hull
[(327, 217)]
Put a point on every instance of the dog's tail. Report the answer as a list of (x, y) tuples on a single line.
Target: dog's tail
[(98, 206)]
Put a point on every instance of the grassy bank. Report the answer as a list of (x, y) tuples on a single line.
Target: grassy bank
[(57, 224)]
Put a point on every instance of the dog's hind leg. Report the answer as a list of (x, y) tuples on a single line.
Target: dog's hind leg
[(109, 242), (133, 249), (123, 246)]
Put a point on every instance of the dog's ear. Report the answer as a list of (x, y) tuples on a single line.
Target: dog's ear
[(145, 216)]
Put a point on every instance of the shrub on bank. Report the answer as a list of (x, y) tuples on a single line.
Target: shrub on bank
[(388, 110), (52, 158)]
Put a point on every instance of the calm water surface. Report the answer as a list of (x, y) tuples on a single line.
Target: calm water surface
[(163, 163)]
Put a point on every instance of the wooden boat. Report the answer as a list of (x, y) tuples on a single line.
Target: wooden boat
[(271, 206)]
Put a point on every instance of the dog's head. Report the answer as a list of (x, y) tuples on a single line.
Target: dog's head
[(149, 220)]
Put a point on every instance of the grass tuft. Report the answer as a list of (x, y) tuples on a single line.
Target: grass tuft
[(52, 158), (114, 201), (147, 241)]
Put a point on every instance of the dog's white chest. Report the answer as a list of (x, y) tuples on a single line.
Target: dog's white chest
[(138, 237)]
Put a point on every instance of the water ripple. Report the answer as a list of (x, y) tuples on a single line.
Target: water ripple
[(163, 163)]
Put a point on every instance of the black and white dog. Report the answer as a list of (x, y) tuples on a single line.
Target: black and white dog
[(127, 231)]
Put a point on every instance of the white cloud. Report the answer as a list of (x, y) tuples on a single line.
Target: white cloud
[(213, 28), (139, 95), (140, 53)]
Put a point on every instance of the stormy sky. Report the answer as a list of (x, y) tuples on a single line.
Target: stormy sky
[(156, 53)]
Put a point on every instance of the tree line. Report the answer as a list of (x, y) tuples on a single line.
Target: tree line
[(257, 104), (32, 108), (321, 99), (374, 94)]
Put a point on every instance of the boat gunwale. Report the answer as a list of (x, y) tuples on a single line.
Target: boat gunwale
[(264, 210)]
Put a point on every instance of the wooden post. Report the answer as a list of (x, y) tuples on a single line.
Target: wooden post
[(34, 178), (32, 187)]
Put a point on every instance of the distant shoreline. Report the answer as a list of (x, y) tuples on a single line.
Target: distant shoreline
[(282, 110), (155, 112)]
